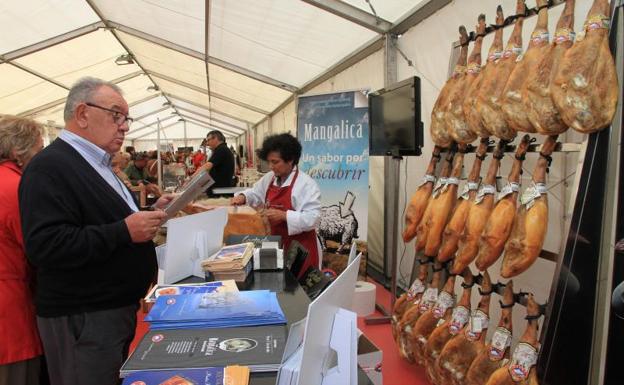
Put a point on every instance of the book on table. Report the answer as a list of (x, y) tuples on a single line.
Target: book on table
[(220, 286), (232, 257), (230, 309), (260, 348), (230, 375)]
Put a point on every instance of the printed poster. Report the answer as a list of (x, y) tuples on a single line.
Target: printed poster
[(333, 130)]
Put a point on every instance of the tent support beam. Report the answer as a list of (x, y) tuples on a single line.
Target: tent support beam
[(353, 14), (47, 43), (211, 118), (201, 56), (156, 130), (151, 124), (58, 102), (161, 109), (209, 125), (212, 94), (106, 23), (207, 108)]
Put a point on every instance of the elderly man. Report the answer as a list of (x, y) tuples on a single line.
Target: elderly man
[(91, 246)]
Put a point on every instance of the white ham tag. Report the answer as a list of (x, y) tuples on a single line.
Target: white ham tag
[(532, 193), (428, 299), (427, 178), (509, 188), (479, 321), (523, 359), (483, 191), (458, 319), (445, 302), (501, 340), (417, 287)]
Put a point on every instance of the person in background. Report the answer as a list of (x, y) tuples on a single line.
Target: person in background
[(198, 159), (237, 167), (292, 200), (137, 173), (221, 162), (20, 349), (92, 248), (119, 162)]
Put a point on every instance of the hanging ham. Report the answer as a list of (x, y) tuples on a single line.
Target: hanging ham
[(422, 230), (461, 350), (500, 222), (418, 202), (585, 88), (408, 299), (480, 209), (455, 118), (442, 204), (427, 322), (537, 98), (438, 128), (531, 222), (455, 226), (445, 331), (489, 100), (513, 107), (473, 117), (496, 353), (521, 368), (411, 316)]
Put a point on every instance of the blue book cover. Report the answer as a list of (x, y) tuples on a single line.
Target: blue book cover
[(208, 376), (209, 287), (224, 309)]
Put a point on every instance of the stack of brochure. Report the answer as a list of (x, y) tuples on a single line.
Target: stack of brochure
[(215, 310), (190, 288), (230, 375), (260, 348), (229, 258)]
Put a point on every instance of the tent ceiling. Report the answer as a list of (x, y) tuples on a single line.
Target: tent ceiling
[(253, 57)]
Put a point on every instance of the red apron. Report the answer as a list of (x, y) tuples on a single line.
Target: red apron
[(280, 198)]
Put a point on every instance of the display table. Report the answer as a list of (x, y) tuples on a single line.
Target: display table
[(294, 302)]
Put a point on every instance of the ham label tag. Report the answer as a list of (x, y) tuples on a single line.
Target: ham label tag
[(564, 34), (458, 319), (445, 301), (479, 321), (428, 299), (523, 359), (427, 178), (532, 193), (436, 189), (417, 287), (501, 340), (508, 189), (468, 187), (483, 191)]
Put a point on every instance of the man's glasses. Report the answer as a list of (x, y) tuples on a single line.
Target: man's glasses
[(118, 117)]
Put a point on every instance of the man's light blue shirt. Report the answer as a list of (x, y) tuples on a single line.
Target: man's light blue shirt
[(101, 162)]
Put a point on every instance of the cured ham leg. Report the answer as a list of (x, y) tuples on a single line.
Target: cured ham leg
[(531, 222), (418, 202), (445, 331), (455, 226), (497, 351), (408, 299), (480, 210), (422, 230), (463, 348), (426, 302), (438, 129), (498, 227), (585, 88), (428, 321), (537, 98), (489, 100), (521, 368), (455, 118), (473, 117), (513, 107), (442, 204)]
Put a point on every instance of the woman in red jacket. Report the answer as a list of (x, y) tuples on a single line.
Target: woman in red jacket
[(20, 348)]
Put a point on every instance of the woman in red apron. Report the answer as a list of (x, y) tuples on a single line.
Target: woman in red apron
[(292, 199)]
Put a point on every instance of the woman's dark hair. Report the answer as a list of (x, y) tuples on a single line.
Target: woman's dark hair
[(287, 145)]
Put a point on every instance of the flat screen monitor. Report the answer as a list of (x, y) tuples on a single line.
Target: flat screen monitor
[(395, 125)]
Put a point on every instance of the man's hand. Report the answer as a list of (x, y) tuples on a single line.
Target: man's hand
[(275, 216), (143, 225), (238, 200), (164, 200)]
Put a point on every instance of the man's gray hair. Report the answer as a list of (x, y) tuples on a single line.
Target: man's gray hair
[(82, 91)]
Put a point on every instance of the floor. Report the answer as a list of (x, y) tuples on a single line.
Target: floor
[(394, 369)]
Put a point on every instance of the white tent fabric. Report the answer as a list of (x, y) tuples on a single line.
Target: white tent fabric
[(221, 64)]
